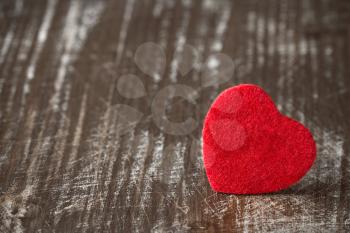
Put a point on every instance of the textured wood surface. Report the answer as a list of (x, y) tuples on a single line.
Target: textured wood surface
[(78, 153)]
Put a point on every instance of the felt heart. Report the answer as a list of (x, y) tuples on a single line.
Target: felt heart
[(249, 147)]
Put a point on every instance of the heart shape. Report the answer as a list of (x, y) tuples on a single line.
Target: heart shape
[(249, 147)]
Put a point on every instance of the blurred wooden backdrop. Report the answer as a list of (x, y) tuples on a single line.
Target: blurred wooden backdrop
[(70, 161)]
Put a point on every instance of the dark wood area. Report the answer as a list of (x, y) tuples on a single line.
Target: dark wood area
[(82, 149)]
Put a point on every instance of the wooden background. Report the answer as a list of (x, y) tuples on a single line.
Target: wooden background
[(70, 162)]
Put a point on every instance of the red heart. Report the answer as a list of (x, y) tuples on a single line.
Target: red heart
[(249, 147)]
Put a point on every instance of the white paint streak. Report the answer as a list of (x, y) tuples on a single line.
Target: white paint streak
[(158, 8), (178, 161), (163, 31), (7, 42), (18, 7), (62, 133), (79, 22), (23, 53), (314, 68), (221, 28), (152, 172), (251, 18), (79, 129), (72, 158), (179, 45), (169, 175), (124, 30), (40, 42), (29, 130)]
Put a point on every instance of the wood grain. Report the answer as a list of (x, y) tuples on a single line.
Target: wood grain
[(70, 162)]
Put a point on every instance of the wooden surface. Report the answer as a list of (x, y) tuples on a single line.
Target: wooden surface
[(79, 154)]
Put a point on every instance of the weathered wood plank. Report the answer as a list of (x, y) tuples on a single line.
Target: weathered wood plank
[(78, 154)]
